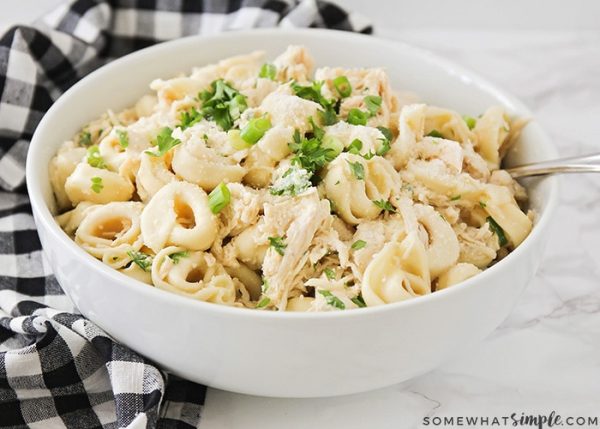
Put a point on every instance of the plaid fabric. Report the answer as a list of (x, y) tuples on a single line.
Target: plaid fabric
[(56, 368)]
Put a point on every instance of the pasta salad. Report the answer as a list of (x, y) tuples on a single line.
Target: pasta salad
[(274, 186)]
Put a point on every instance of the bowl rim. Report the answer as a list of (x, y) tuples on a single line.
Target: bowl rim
[(43, 217)]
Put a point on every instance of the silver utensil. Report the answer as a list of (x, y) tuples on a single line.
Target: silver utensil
[(577, 164)]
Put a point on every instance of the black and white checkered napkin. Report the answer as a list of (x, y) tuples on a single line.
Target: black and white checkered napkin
[(58, 369)]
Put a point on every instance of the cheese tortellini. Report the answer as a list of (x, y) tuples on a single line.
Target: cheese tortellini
[(268, 184)]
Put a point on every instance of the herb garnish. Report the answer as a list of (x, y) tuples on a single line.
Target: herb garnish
[(358, 300), (332, 300), (358, 170), (176, 257), (278, 244), (268, 71), (222, 103), (497, 229), (123, 138), (94, 158), (358, 244), (165, 142), (435, 133), (385, 206), (97, 185), (141, 259), (329, 273)]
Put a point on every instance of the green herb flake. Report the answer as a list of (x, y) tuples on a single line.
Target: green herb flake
[(263, 302), (165, 142), (373, 104), (293, 182), (85, 138), (329, 273), (385, 206), (497, 229), (358, 170), (455, 198), (435, 133), (176, 257), (358, 244), (470, 121), (97, 185), (312, 92), (141, 259), (359, 301), (482, 204), (387, 133), (222, 104), (355, 146), (310, 153), (268, 71), (189, 118), (278, 244), (332, 300), (94, 158), (123, 138)]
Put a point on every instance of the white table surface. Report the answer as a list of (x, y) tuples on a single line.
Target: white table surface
[(546, 355)]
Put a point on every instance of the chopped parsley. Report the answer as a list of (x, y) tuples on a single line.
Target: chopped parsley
[(189, 118), (358, 170), (97, 185), (222, 103), (385, 206), (358, 244), (332, 300), (329, 273), (310, 154), (435, 133), (482, 204), (355, 146), (123, 138), (358, 300), (85, 138), (385, 142), (165, 142), (455, 198), (176, 257), (497, 229), (141, 259), (387, 133), (94, 158), (373, 104), (293, 182), (278, 244), (268, 71), (470, 121), (312, 92)]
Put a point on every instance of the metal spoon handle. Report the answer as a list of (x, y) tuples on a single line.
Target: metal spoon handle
[(578, 164)]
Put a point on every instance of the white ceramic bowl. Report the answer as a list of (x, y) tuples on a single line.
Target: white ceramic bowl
[(286, 354)]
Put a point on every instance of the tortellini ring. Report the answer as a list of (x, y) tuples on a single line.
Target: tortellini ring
[(109, 231), (353, 183), (178, 214), (193, 274), (398, 272)]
